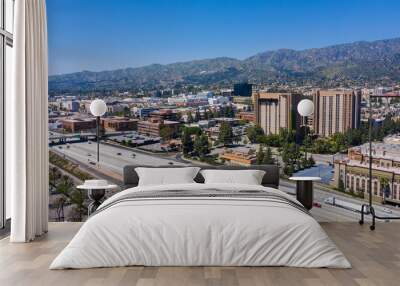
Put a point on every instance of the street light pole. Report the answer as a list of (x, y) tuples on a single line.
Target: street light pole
[(305, 136), (370, 151), (98, 138), (98, 108), (305, 108), (369, 209)]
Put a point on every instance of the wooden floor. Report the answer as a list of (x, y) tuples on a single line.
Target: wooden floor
[(375, 257)]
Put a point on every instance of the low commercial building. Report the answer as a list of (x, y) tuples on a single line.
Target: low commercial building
[(164, 114), (152, 126), (248, 116), (228, 120), (144, 112), (352, 173), (78, 124), (119, 124), (236, 158), (71, 105)]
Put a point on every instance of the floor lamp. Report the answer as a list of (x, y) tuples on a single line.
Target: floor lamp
[(305, 109), (98, 108), (368, 209)]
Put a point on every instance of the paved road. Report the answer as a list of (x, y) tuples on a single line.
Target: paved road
[(109, 158), (334, 213)]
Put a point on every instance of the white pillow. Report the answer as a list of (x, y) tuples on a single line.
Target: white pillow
[(247, 177), (166, 176)]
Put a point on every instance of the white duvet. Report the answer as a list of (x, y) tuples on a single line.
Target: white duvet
[(202, 232)]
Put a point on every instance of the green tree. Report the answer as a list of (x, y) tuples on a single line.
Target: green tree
[(197, 116), (321, 146), (291, 158), (260, 156), (126, 112), (178, 116), (225, 134), (354, 137), (338, 142), (75, 197), (287, 136), (268, 159), (187, 142), (190, 118), (166, 133), (228, 111), (273, 140), (254, 132), (201, 146), (193, 130), (54, 176)]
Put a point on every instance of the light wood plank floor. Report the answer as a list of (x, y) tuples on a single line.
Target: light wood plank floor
[(375, 257)]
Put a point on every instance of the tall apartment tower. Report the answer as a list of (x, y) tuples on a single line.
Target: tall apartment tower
[(276, 110), (336, 111)]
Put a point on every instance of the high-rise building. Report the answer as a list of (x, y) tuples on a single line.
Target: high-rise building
[(242, 89), (277, 110), (336, 111)]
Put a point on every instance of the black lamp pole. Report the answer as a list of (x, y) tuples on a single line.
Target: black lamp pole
[(98, 138), (305, 136), (370, 151)]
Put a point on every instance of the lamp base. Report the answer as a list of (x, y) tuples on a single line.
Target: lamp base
[(369, 210)]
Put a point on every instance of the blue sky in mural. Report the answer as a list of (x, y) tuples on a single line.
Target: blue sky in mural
[(103, 34)]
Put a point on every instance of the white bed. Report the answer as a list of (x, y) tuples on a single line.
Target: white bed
[(202, 231)]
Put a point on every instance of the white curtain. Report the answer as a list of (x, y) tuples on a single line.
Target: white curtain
[(27, 148)]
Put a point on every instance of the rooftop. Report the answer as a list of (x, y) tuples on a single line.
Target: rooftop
[(381, 150)]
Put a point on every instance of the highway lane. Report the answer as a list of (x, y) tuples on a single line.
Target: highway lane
[(334, 213), (109, 158)]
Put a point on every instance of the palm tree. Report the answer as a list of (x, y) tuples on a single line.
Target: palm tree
[(54, 176), (60, 208)]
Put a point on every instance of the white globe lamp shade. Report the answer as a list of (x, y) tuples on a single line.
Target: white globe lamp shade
[(305, 107), (98, 107)]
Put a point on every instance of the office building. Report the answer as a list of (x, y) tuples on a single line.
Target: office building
[(119, 124), (152, 126), (274, 111), (242, 89), (352, 173), (78, 124), (336, 111)]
